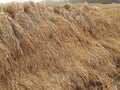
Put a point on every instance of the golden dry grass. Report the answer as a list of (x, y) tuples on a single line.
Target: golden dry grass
[(109, 9), (58, 48)]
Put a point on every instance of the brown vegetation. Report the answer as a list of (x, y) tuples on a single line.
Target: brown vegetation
[(58, 48)]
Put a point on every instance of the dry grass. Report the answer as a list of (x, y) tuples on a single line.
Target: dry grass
[(109, 9), (58, 48)]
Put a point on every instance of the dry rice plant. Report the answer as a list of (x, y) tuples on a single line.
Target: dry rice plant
[(58, 48)]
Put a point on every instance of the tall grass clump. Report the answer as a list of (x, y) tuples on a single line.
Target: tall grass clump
[(58, 48)]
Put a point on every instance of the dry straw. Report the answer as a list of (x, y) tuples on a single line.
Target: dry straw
[(58, 48)]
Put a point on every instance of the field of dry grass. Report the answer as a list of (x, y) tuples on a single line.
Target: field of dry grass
[(58, 48), (112, 10), (109, 9)]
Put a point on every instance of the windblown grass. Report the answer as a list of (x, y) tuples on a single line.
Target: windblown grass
[(58, 48), (109, 9)]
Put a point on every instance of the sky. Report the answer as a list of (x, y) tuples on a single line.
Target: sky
[(7, 1)]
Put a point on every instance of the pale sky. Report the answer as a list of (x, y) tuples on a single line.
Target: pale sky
[(7, 1)]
